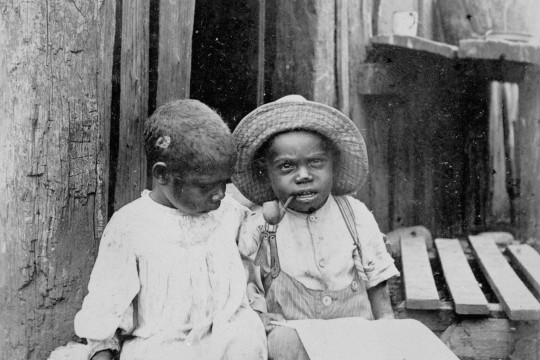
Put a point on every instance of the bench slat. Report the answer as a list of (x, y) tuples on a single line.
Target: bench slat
[(528, 262), (516, 299), (420, 289), (467, 295)]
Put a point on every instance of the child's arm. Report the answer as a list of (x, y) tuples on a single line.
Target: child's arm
[(114, 283), (379, 297)]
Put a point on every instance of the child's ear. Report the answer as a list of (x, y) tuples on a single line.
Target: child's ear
[(160, 173)]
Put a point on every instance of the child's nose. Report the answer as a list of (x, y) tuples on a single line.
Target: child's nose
[(303, 174)]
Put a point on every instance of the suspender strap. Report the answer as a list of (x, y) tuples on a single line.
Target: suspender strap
[(348, 216), (270, 235)]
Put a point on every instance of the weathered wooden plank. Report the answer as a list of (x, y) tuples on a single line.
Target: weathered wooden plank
[(55, 65), (516, 299), (499, 50), (305, 50), (527, 261), (425, 19), (467, 295), (527, 153), (416, 43), (131, 168), (342, 55), (174, 64), (420, 288)]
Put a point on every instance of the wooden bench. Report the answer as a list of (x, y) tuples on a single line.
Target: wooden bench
[(490, 312)]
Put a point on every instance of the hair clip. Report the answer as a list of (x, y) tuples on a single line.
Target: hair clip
[(163, 142)]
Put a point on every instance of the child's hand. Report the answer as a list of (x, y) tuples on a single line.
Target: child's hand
[(267, 317), (103, 355)]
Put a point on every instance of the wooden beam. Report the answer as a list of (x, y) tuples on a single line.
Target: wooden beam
[(420, 289), (342, 55), (527, 261), (467, 295), (417, 44), (305, 50), (131, 168), (499, 50), (174, 64), (516, 299)]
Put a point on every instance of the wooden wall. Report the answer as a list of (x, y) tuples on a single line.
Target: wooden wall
[(79, 80), (56, 64), (528, 154)]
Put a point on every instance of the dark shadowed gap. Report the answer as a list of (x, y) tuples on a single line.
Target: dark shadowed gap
[(115, 109), (224, 65), (153, 63)]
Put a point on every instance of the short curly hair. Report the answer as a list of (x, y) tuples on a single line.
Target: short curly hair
[(188, 136)]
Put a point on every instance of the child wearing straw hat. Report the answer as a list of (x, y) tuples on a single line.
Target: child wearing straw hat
[(319, 250)]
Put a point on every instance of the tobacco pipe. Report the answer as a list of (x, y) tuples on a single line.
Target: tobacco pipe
[(273, 211)]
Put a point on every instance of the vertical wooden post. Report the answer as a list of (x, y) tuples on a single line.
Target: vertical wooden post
[(55, 70), (131, 167), (174, 65), (261, 52), (528, 145), (305, 48), (342, 55)]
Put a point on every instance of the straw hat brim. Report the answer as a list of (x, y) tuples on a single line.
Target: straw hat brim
[(278, 117)]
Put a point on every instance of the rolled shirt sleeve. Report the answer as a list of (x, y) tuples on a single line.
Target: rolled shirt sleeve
[(374, 264)]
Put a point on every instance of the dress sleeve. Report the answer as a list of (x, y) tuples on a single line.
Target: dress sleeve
[(373, 263), (249, 244), (114, 283)]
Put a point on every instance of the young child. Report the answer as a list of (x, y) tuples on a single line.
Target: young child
[(168, 273), (327, 258)]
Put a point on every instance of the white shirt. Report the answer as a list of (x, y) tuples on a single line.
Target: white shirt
[(318, 250), (184, 271)]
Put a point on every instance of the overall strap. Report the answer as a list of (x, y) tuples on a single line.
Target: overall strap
[(269, 234), (348, 215)]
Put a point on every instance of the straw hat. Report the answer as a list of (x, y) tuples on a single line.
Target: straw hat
[(292, 113)]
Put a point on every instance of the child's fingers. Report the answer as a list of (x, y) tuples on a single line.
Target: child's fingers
[(278, 323)]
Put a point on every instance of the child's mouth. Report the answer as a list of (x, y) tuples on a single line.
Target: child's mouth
[(305, 196)]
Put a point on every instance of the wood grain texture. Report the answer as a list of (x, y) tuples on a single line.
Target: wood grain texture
[(305, 50), (516, 299), (528, 153), (174, 64), (56, 60), (499, 50), (527, 260), (420, 289), (131, 168), (416, 43), (342, 56), (467, 295)]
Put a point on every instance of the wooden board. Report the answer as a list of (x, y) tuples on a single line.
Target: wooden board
[(499, 50), (420, 289), (528, 262), (131, 167), (416, 43), (515, 298), (467, 295), (175, 32)]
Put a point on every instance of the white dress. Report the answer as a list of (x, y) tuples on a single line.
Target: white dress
[(175, 283)]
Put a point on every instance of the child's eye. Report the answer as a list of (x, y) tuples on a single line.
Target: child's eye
[(286, 166), (317, 162)]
